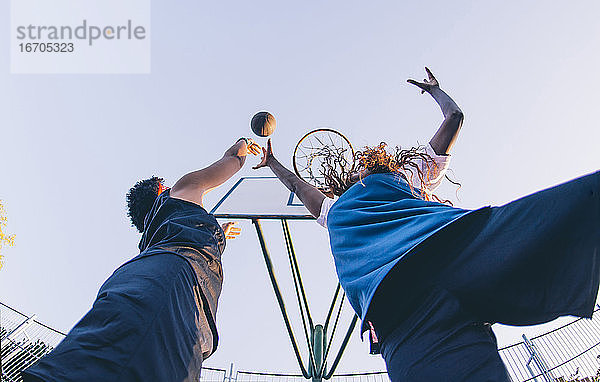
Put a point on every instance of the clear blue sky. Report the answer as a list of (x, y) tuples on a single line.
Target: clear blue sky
[(525, 76)]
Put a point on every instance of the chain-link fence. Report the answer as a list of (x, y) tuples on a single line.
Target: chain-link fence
[(568, 353), (210, 374), (252, 376), (24, 340)]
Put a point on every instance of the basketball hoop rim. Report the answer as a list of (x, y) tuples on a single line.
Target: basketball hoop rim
[(327, 129)]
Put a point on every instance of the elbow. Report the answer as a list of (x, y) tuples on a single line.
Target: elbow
[(457, 115)]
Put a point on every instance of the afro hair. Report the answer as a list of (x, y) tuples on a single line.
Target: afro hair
[(140, 200)]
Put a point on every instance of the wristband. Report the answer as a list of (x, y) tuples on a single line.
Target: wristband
[(243, 139)]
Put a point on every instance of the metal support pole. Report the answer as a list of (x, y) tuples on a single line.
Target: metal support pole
[(342, 348), (296, 269), (318, 343), (20, 328), (278, 295), (539, 362), (335, 295), (529, 367), (229, 378)]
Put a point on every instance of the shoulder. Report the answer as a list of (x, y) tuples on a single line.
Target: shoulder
[(373, 180), (180, 220), (325, 207)]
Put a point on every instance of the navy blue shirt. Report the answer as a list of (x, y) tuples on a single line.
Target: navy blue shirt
[(154, 317), (186, 229)]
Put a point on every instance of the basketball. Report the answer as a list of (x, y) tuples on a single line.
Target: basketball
[(263, 124)]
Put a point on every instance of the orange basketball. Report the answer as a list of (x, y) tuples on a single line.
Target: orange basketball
[(263, 124)]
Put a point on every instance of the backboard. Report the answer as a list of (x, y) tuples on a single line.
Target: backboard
[(260, 197)]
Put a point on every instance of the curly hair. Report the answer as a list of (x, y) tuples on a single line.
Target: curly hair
[(378, 159), (140, 199)]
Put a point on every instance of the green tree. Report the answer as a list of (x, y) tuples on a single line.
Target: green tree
[(5, 239)]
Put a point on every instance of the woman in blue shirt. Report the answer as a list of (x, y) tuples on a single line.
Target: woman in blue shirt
[(432, 278)]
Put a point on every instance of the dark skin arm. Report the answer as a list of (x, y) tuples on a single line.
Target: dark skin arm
[(310, 196), (442, 142), (194, 185), (446, 135)]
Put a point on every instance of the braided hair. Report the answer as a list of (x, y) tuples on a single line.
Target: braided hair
[(378, 159)]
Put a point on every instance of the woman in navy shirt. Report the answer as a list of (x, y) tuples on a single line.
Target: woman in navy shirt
[(154, 318)]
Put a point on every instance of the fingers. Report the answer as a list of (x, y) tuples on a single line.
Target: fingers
[(263, 161), (233, 234), (230, 231), (229, 226), (254, 148), (432, 80), (250, 147), (268, 152), (422, 86), (430, 75), (427, 83)]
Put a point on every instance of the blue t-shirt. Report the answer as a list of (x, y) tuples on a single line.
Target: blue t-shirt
[(375, 224)]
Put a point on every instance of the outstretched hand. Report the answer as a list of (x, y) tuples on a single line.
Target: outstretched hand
[(231, 232), (267, 156), (428, 84), (251, 147)]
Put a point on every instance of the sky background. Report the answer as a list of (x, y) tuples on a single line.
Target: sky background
[(525, 75)]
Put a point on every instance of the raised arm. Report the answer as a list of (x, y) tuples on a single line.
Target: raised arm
[(193, 186), (446, 135), (309, 195)]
